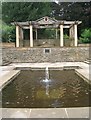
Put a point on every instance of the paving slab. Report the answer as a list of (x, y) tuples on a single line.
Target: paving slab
[(78, 112), (15, 113), (7, 68), (85, 74), (48, 113)]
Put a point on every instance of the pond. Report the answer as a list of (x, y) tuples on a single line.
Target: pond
[(46, 89)]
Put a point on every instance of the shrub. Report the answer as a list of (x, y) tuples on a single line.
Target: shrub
[(66, 36), (85, 36), (8, 33)]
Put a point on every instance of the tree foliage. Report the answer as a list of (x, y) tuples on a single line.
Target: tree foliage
[(73, 11), (85, 36), (30, 11), (8, 34), (24, 11)]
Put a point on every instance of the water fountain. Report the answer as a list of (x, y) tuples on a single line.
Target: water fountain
[(46, 75), (47, 80)]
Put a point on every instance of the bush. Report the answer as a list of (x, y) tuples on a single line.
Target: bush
[(66, 36), (50, 33), (8, 33), (85, 36)]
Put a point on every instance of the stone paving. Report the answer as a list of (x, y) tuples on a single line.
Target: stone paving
[(7, 72), (6, 78), (46, 113)]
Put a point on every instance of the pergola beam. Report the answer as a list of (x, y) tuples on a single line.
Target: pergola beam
[(66, 26), (72, 22)]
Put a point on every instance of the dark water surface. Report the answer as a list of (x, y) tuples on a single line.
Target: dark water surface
[(28, 90)]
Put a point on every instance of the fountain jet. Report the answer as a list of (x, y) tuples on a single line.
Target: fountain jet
[(46, 74), (47, 80)]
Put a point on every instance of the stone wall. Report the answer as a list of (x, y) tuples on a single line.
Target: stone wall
[(45, 54)]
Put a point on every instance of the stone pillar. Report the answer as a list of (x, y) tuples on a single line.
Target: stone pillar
[(56, 33), (31, 36), (21, 37), (75, 35), (22, 34), (61, 35), (36, 35), (17, 36), (70, 32)]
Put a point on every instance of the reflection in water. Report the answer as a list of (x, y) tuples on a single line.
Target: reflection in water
[(47, 88), (46, 80)]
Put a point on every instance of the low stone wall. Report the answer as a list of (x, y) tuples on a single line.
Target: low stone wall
[(45, 54)]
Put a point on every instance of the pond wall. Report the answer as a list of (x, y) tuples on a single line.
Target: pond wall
[(65, 54)]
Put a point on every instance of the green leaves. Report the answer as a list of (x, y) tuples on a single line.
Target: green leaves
[(86, 36), (31, 11), (24, 11), (8, 33)]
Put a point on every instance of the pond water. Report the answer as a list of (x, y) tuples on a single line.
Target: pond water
[(61, 88)]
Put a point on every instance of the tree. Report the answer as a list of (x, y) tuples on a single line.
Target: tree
[(30, 11), (24, 11), (73, 11)]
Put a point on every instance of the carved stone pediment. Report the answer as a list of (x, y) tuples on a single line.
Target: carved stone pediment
[(46, 20)]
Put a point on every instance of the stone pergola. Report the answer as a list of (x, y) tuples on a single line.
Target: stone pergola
[(47, 22)]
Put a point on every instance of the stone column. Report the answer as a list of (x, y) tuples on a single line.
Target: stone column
[(22, 34), (31, 36), (56, 33), (61, 35), (70, 32), (21, 37), (17, 36), (71, 35), (36, 35), (75, 35)]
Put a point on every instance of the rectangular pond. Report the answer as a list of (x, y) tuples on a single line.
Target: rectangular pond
[(46, 89)]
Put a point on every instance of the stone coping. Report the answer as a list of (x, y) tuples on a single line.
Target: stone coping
[(79, 112), (84, 74), (56, 64), (5, 79), (12, 45)]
